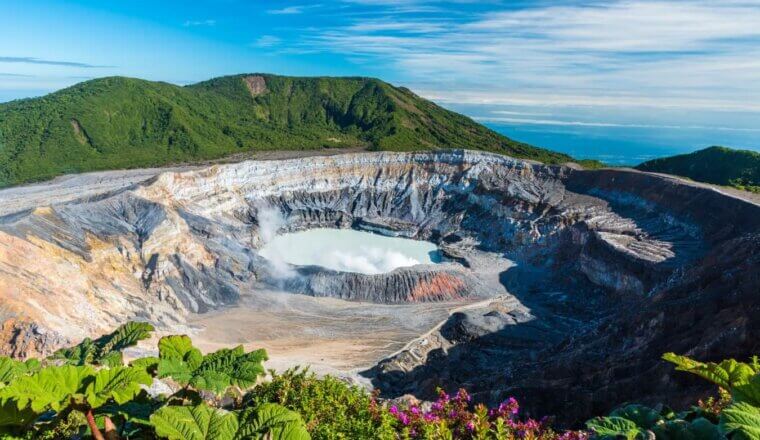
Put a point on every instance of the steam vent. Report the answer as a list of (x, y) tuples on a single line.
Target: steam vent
[(558, 286)]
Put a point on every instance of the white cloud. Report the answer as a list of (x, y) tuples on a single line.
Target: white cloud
[(686, 54), (266, 41), (530, 121)]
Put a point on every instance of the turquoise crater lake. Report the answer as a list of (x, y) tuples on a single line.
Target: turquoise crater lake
[(349, 250)]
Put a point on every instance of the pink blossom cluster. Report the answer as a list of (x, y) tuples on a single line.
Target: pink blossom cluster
[(456, 415)]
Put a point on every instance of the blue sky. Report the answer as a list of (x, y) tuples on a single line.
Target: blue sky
[(626, 67)]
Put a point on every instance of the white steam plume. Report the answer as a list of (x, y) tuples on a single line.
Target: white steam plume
[(270, 222)]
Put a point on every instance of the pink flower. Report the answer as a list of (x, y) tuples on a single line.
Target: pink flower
[(470, 426), (414, 410), (393, 410)]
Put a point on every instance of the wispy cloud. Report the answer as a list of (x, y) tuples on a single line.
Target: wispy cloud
[(686, 53), (15, 75), (530, 121), (196, 23), (290, 10), (32, 60), (266, 41)]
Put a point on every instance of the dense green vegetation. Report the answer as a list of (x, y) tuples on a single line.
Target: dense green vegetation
[(718, 165), (117, 122), (86, 391)]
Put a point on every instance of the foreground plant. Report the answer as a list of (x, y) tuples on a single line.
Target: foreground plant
[(86, 391), (331, 408), (454, 417), (735, 415)]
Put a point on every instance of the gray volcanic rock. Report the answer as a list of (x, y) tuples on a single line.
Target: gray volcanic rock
[(426, 283), (611, 267)]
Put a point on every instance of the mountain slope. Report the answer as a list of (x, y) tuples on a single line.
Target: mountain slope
[(719, 165), (121, 122)]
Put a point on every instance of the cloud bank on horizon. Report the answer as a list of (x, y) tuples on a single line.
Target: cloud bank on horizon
[(690, 60)]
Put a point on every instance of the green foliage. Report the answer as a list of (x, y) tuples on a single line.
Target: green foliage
[(742, 420), (178, 358), (748, 392), (118, 383), (106, 350), (215, 372), (727, 374), (739, 419), (636, 421), (149, 364), (271, 421), (12, 417), (50, 388), (194, 423), (331, 408), (719, 165), (612, 427), (200, 422), (118, 122), (83, 401), (11, 369)]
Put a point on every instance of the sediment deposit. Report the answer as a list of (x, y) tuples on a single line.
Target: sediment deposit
[(598, 272)]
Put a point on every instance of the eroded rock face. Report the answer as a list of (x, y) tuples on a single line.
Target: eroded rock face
[(601, 258)]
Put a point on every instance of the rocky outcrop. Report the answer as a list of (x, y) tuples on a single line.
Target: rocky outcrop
[(445, 282), (608, 263)]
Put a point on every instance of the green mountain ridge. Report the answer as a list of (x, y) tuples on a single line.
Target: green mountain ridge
[(718, 165), (118, 122)]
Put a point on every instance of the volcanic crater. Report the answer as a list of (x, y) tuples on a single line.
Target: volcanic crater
[(560, 286)]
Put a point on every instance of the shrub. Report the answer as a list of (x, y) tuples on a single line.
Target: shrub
[(331, 408)]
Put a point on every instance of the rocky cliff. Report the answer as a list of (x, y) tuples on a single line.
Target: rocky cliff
[(612, 267)]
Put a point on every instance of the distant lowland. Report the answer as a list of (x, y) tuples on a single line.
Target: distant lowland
[(118, 122)]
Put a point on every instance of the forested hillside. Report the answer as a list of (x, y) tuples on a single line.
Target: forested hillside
[(119, 122), (719, 165)]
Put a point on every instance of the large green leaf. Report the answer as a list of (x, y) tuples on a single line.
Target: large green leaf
[(726, 374), (177, 369), (272, 422), (269, 421), (178, 358), (106, 350), (217, 371), (125, 336), (613, 427), (741, 420), (643, 416), (194, 423), (51, 387), (149, 364), (133, 411), (179, 347), (11, 368), (119, 383), (13, 416), (704, 429), (227, 367), (699, 429), (83, 353), (748, 392)]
